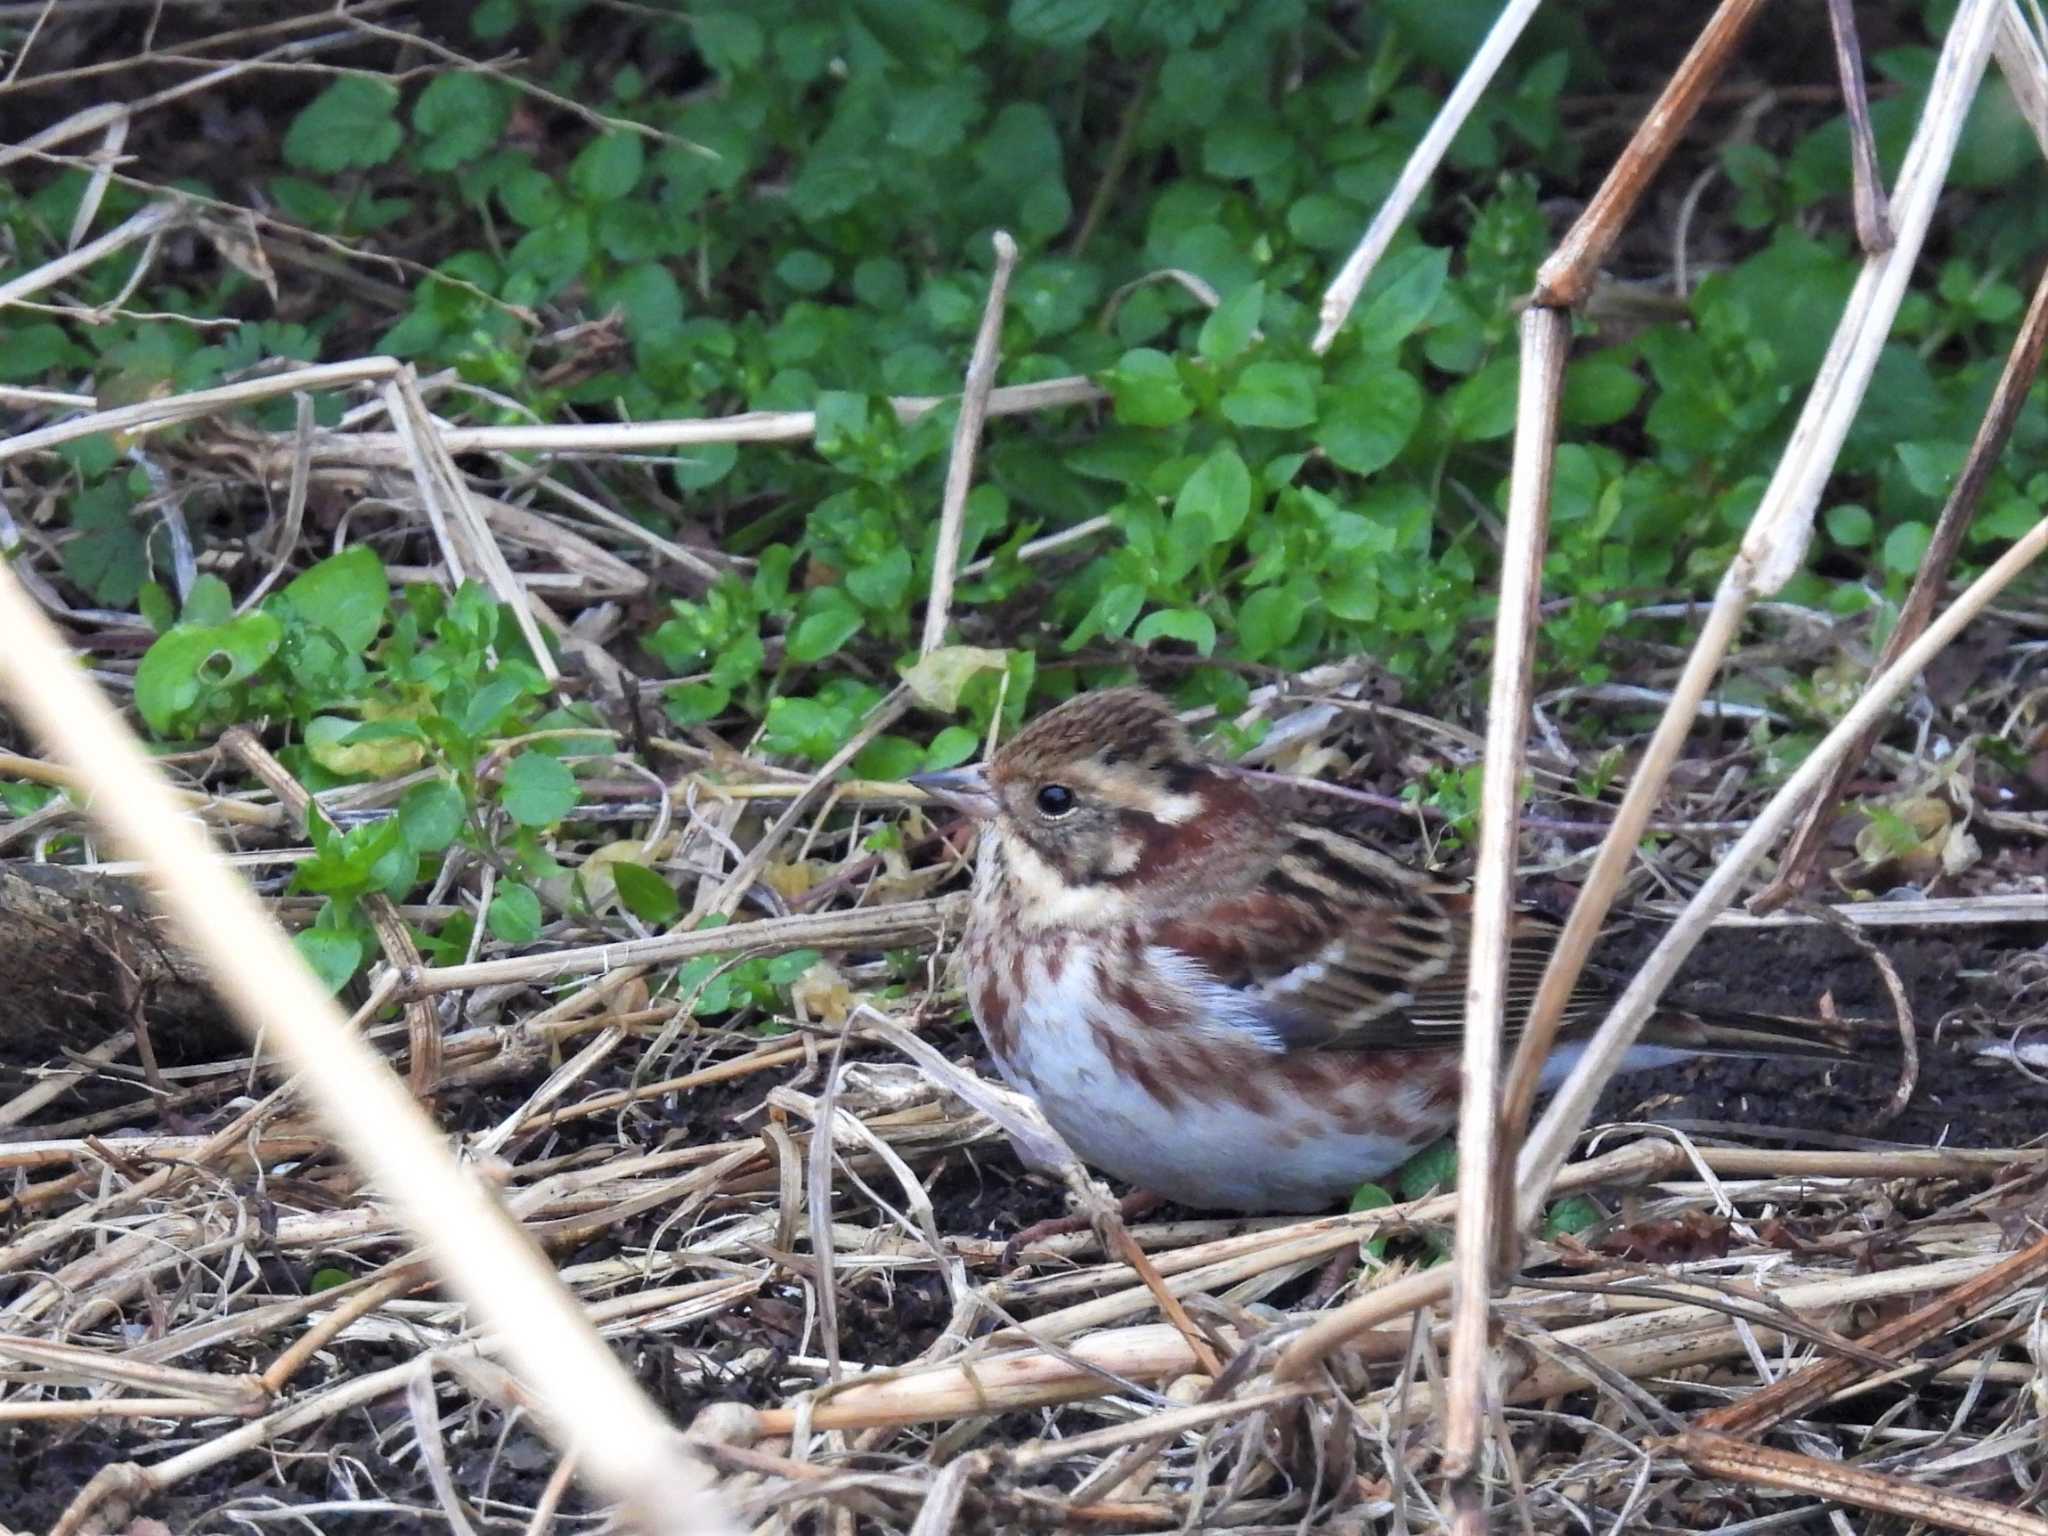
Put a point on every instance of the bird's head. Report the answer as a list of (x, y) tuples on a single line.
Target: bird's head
[(1102, 809)]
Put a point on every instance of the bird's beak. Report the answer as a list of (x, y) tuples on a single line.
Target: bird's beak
[(964, 789)]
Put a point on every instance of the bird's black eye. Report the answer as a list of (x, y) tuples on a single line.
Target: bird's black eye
[(1055, 800)]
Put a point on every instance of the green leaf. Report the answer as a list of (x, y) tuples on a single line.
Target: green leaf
[(805, 271), (1931, 468), (1146, 389), (1428, 1172), (1060, 23), (348, 125), (1218, 494), (1371, 421), (459, 116), (608, 168), (1571, 1216), (1850, 525), (537, 790), (950, 748), (1280, 395), (731, 41), (645, 894), (1228, 330), (106, 555), (819, 633), (431, 815), (649, 300), (328, 1279), (331, 954), (1267, 620), (1600, 390), (196, 661), (1372, 1197), (514, 915), (882, 584), (1400, 296), (1188, 624), (347, 595), (1110, 615), (1905, 547), (1238, 148), (209, 602), (1483, 407), (702, 466)]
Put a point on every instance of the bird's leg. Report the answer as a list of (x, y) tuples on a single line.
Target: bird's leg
[(1138, 1203)]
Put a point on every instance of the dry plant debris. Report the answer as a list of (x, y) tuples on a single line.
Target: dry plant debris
[(795, 1231)]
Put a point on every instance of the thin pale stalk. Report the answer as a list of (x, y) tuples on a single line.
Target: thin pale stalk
[(1545, 337), (1350, 280), (1873, 222), (981, 378), (1735, 1460)]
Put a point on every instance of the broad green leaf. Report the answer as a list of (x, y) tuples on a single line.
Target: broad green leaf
[(645, 894), (348, 125), (346, 594), (106, 555), (1146, 389), (1400, 296), (1229, 328), (459, 117), (1267, 620), (537, 790), (1219, 493), (1060, 23), (515, 913), (1280, 395), (608, 167), (1850, 524), (818, 634), (1188, 624), (331, 954), (1371, 419), (431, 815), (1483, 407)]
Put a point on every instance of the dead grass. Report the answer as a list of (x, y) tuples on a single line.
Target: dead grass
[(209, 1316)]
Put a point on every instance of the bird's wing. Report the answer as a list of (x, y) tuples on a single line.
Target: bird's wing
[(1347, 949)]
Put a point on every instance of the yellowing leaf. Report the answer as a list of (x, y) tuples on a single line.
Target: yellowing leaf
[(936, 680), (381, 758)]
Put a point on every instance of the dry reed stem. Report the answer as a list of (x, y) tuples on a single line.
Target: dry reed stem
[(862, 927), (1545, 340), (272, 994), (1873, 220), (974, 393), (1568, 274), (1422, 162), (1738, 1461)]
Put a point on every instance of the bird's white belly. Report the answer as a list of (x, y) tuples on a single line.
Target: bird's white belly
[(1211, 1150)]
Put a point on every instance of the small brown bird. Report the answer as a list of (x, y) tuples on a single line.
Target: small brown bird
[(1217, 999)]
